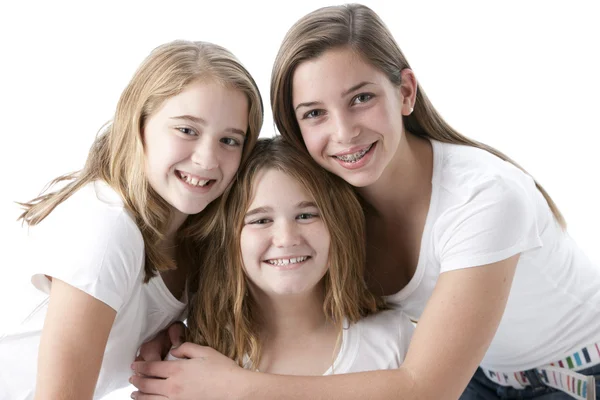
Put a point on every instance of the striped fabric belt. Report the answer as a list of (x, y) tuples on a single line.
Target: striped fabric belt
[(561, 375)]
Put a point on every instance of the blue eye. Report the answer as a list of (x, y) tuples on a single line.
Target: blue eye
[(362, 98)]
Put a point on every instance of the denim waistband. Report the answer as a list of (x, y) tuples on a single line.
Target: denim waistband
[(561, 374)]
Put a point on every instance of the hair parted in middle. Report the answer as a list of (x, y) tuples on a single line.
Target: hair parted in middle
[(223, 314), (358, 28)]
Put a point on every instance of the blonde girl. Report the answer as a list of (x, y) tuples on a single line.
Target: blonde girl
[(116, 243)]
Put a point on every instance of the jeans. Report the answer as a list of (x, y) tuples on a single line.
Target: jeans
[(481, 388)]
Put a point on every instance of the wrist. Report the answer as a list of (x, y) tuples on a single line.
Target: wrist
[(244, 385)]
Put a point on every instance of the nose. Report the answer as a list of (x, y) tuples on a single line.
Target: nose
[(286, 234), (344, 128), (205, 153)]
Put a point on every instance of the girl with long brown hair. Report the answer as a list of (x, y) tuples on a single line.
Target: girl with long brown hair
[(282, 288)]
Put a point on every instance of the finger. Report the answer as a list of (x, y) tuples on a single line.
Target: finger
[(137, 395), (177, 333), (150, 352), (158, 369), (190, 350), (155, 349), (149, 386)]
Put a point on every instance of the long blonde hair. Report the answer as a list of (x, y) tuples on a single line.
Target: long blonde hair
[(117, 154), (360, 29), (223, 314)]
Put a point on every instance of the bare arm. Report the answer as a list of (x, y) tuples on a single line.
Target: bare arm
[(72, 345), (451, 338)]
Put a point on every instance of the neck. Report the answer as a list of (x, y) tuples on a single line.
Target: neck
[(295, 336), (290, 316), (177, 219), (406, 181)]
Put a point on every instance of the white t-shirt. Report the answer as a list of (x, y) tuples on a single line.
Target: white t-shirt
[(91, 242), (378, 341), (484, 210)]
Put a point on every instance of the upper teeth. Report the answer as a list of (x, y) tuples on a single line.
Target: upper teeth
[(354, 157), (286, 261), (194, 181)]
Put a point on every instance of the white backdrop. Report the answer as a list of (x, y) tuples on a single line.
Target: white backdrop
[(522, 76)]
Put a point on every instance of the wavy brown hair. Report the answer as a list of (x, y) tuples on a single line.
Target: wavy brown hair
[(358, 28), (224, 314), (117, 154)]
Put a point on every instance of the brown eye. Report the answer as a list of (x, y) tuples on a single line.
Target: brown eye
[(187, 131), (313, 114), (230, 142)]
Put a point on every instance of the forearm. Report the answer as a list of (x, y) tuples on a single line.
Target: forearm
[(374, 385)]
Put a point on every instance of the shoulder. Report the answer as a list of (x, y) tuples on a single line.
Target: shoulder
[(381, 340), (469, 180), (486, 208), (90, 242), (387, 325), (91, 228), (94, 211), (464, 170)]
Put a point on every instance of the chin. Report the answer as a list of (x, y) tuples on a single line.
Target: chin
[(359, 179), (190, 209)]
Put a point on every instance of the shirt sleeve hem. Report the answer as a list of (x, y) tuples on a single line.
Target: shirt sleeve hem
[(491, 258), (98, 292)]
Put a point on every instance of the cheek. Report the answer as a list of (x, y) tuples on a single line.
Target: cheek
[(316, 144), (390, 117), (321, 239), (229, 162), (165, 152), (248, 245), (325, 244)]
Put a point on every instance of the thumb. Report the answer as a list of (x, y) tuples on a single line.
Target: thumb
[(189, 350), (177, 334)]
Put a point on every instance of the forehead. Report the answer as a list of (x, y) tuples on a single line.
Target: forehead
[(274, 186), (206, 99), (334, 70)]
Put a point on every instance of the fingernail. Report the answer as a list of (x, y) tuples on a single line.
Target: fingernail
[(131, 366), (131, 379)]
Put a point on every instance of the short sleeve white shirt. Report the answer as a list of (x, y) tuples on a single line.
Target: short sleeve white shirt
[(92, 243), (484, 210)]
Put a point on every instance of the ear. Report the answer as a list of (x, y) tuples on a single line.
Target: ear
[(408, 90)]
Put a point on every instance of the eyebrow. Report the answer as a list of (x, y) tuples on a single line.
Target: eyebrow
[(306, 204), (344, 93), (263, 210), (201, 121), (259, 210)]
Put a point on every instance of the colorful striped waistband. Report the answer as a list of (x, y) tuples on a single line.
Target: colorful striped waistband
[(561, 375)]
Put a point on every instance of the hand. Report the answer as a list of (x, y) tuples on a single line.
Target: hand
[(203, 373), (158, 348)]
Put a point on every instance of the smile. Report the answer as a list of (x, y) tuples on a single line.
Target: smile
[(287, 261), (193, 180), (354, 157)]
